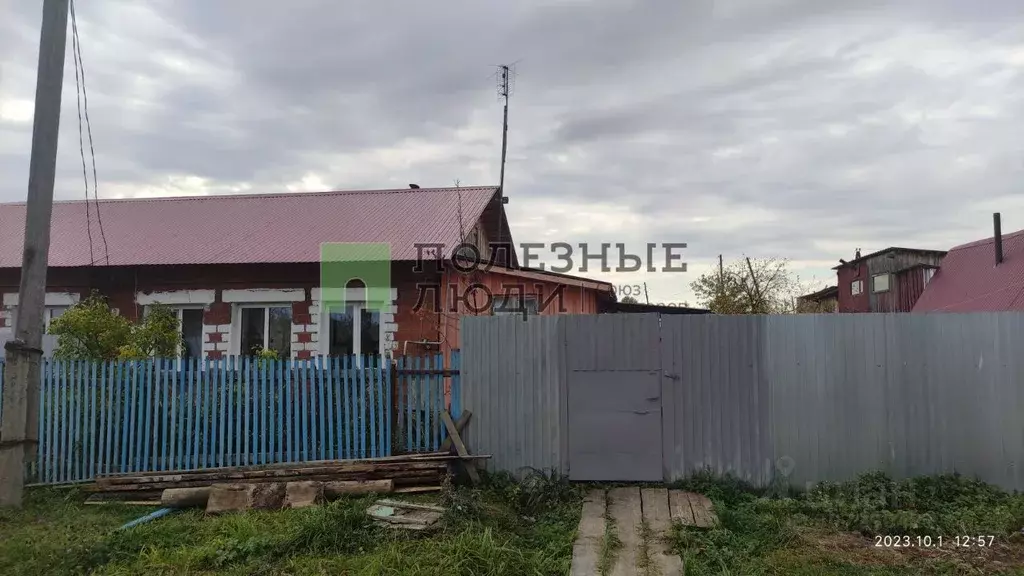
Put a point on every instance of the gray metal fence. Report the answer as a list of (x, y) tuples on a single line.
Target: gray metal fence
[(804, 398)]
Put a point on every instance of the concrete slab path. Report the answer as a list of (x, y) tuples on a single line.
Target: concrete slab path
[(640, 519)]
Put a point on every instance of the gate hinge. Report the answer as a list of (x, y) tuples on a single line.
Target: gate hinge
[(672, 376)]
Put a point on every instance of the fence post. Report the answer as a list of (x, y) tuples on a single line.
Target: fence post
[(456, 403)]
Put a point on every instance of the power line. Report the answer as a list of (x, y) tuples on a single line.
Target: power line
[(83, 105)]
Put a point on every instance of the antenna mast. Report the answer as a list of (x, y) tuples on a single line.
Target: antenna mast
[(506, 83)]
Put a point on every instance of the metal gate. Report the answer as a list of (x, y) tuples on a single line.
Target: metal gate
[(615, 385)]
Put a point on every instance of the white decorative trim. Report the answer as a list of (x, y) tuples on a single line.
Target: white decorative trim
[(352, 294), (52, 299), (224, 328), (176, 297), (207, 346), (262, 295)]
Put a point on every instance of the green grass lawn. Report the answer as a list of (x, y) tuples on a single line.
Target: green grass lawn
[(505, 528), (508, 528), (832, 529)]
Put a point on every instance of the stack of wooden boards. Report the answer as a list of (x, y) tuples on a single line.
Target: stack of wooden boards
[(401, 474)]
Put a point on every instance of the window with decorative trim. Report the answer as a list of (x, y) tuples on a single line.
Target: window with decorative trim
[(50, 313), (350, 329), (263, 327)]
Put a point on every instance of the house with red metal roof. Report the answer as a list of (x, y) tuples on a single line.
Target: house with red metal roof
[(986, 275), (889, 280), (244, 272)]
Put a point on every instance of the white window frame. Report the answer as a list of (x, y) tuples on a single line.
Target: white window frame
[(357, 329), (874, 283), (47, 315), (236, 325), (523, 299), (856, 287), (181, 325)]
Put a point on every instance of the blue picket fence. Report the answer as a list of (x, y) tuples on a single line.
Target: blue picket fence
[(99, 418)]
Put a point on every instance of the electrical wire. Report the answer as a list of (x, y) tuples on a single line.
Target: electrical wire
[(83, 106)]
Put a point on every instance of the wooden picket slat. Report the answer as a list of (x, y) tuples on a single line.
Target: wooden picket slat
[(168, 415)]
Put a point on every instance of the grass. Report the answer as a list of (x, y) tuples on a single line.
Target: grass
[(831, 530), (610, 544), (505, 527)]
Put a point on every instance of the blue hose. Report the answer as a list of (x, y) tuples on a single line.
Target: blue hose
[(158, 514)]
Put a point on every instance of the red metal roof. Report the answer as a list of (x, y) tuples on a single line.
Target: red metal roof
[(970, 281), (271, 228)]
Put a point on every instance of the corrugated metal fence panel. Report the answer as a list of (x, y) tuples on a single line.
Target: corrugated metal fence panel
[(513, 384), (826, 397), (802, 398), (719, 402)]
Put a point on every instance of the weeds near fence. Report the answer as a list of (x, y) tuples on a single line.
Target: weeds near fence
[(831, 529), (497, 528)]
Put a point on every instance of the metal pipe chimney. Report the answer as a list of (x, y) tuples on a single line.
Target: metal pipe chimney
[(997, 237)]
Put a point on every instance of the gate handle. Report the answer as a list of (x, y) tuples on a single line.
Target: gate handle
[(653, 398), (641, 412)]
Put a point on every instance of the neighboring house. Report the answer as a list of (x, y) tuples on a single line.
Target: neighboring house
[(824, 300), (982, 276), (889, 280), (243, 272)]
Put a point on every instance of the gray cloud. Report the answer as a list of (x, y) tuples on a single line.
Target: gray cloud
[(794, 128)]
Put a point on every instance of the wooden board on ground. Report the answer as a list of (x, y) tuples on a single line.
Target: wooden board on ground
[(405, 515), (417, 489), (625, 508), (425, 456), (237, 497), (586, 551), (659, 523), (303, 494), (460, 447), (691, 509)]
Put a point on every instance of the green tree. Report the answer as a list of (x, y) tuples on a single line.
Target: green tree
[(90, 330), (749, 286), (629, 300)]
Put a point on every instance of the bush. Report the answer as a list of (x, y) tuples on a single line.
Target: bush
[(90, 330)]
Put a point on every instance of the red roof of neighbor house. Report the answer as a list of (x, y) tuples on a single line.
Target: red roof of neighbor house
[(970, 281), (271, 228)]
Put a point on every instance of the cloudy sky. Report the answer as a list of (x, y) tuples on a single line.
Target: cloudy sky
[(799, 129)]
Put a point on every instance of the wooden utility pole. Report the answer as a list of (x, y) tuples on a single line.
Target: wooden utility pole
[(19, 433)]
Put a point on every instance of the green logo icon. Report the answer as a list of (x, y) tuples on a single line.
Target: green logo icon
[(345, 263)]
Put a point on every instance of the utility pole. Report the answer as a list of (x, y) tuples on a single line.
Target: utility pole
[(19, 432), (506, 79)]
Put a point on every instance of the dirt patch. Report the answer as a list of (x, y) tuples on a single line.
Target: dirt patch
[(1003, 554)]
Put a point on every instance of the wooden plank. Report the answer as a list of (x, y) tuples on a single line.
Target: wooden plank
[(413, 477), (428, 456), (123, 503), (586, 550), (410, 506), (277, 473), (659, 523), (679, 508), (625, 507), (459, 446), (416, 489), (703, 510), (460, 425)]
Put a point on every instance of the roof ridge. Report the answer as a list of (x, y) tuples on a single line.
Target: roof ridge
[(274, 195), (986, 241)]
